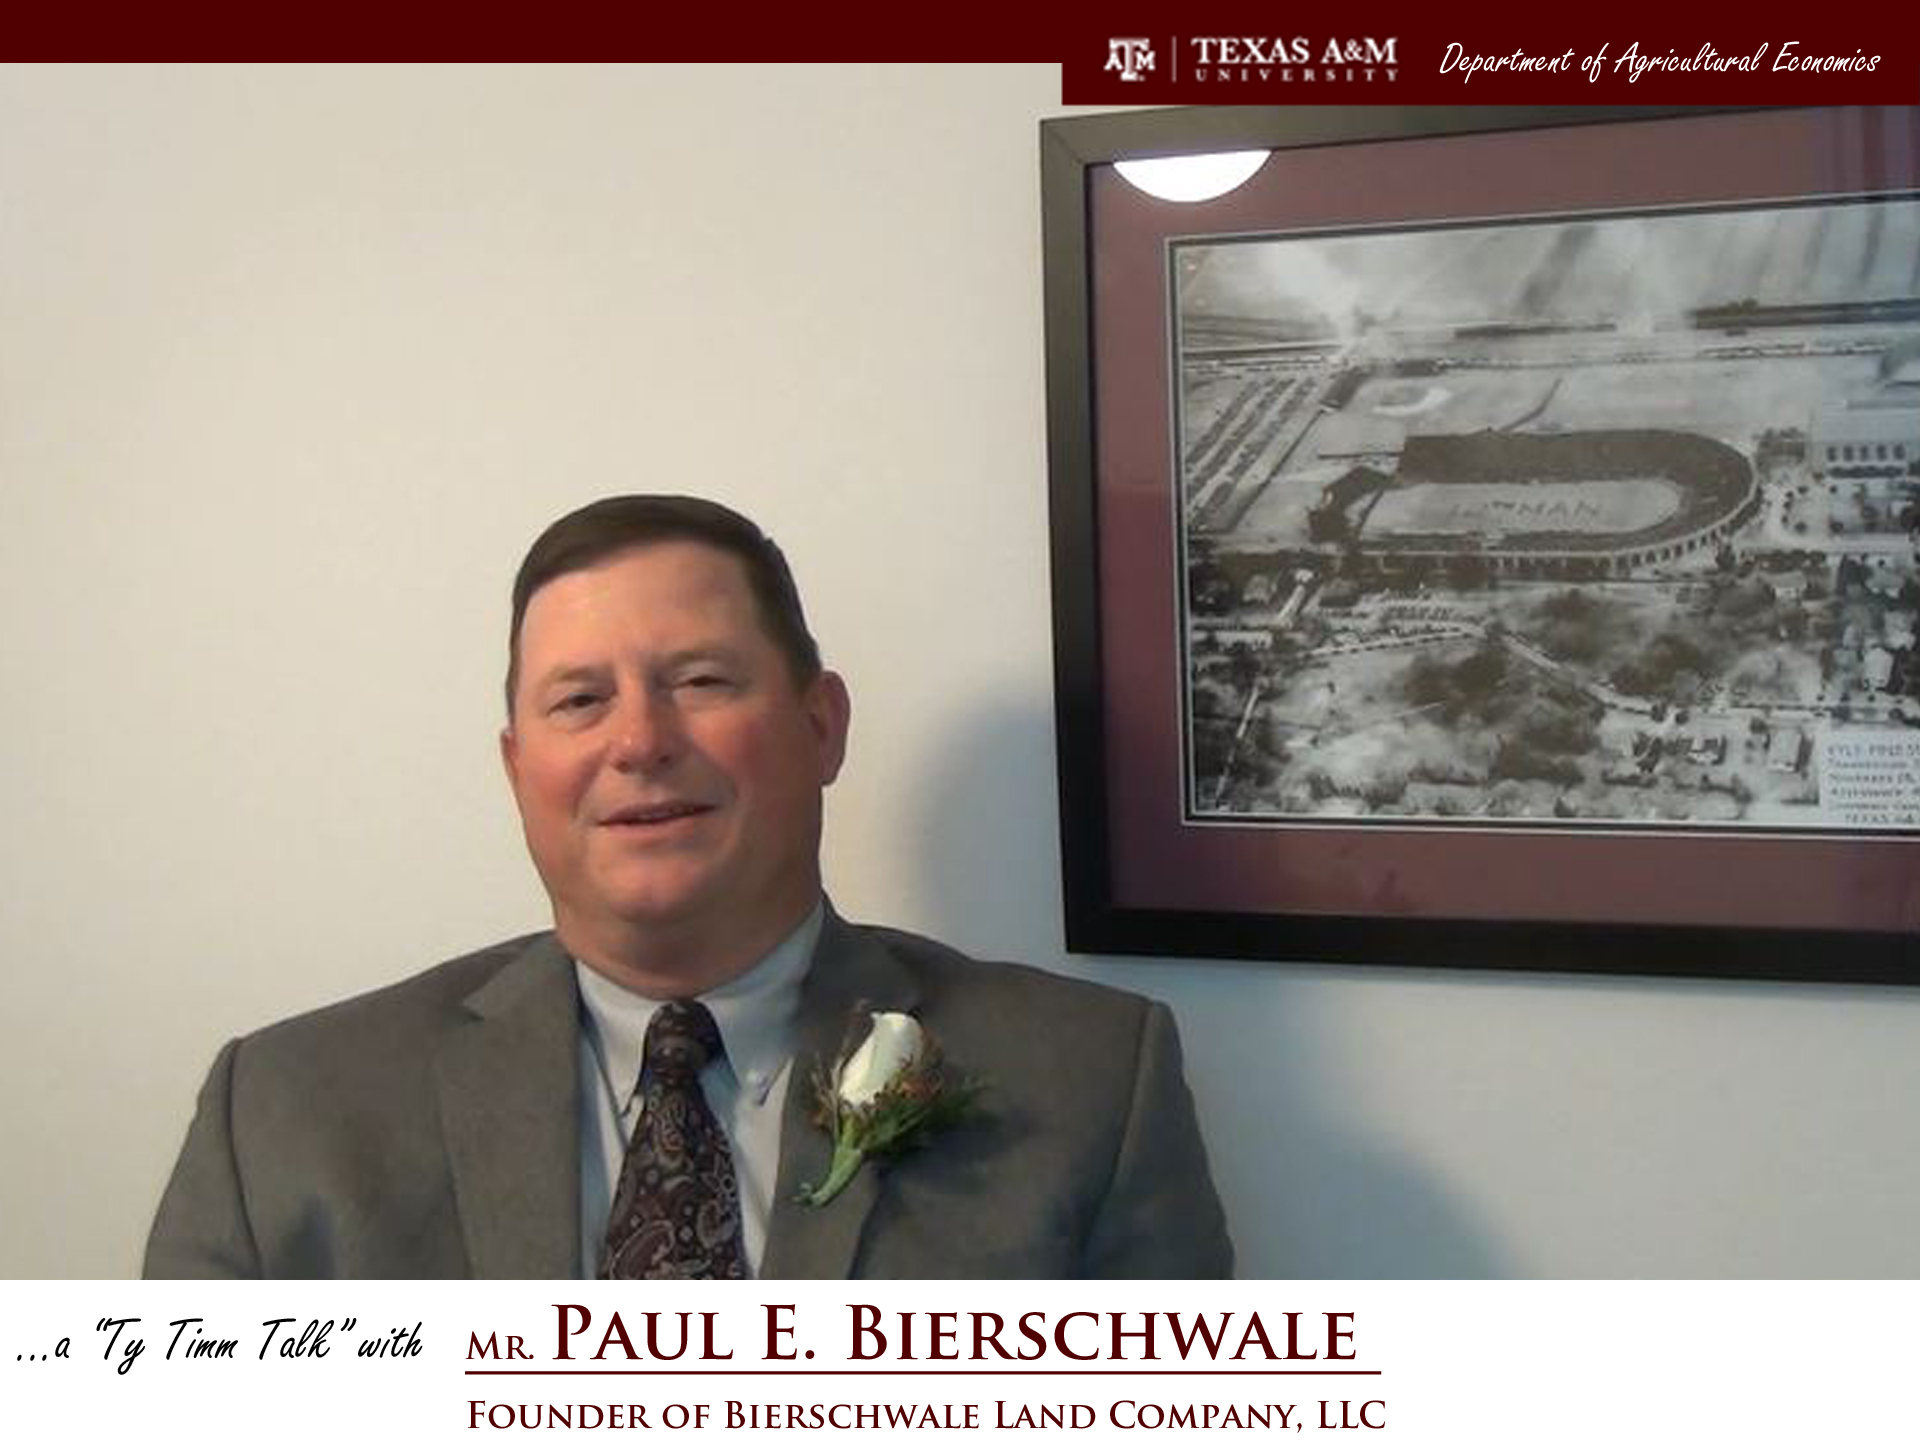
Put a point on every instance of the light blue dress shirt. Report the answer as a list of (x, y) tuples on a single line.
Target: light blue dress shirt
[(757, 1017)]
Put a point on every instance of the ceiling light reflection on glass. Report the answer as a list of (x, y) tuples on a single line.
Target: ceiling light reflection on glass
[(1188, 178)]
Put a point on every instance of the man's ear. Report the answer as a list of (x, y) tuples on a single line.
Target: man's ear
[(510, 757), (829, 711)]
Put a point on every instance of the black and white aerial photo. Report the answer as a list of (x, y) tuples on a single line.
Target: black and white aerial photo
[(1601, 520)]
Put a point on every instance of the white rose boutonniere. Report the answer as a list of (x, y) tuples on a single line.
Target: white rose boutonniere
[(886, 1095)]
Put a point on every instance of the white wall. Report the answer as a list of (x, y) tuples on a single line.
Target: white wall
[(294, 363)]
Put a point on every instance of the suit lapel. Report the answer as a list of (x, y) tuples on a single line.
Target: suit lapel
[(850, 969), (508, 1076)]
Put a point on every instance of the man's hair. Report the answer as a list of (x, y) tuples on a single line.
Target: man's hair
[(605, 528)]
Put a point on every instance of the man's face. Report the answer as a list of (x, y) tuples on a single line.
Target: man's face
[(667, 767)]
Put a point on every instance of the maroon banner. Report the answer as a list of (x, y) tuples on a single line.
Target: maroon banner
[(1861, 60)]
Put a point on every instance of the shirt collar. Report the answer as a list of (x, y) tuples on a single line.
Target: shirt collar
[(755, 1013)]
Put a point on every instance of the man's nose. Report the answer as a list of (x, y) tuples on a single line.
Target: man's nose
[(646, 733)]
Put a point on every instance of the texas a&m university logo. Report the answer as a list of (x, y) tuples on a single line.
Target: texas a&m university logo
[(1132, 58)]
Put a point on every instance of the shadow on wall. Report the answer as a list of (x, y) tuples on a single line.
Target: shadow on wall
[(1308, 1193)]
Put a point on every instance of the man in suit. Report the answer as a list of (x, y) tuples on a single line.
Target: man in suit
[(670, 732)]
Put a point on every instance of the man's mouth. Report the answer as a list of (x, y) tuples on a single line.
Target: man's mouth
[(663, 813)]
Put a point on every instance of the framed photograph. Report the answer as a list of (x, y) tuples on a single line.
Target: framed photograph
[(1490, 537)]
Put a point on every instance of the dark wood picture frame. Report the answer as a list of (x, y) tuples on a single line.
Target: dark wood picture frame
[(1137, 878)]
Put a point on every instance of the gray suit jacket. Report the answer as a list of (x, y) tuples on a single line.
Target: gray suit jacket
[(431, 1129)]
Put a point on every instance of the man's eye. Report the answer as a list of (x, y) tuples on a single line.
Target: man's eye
[(706, 680), (580, 700)]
